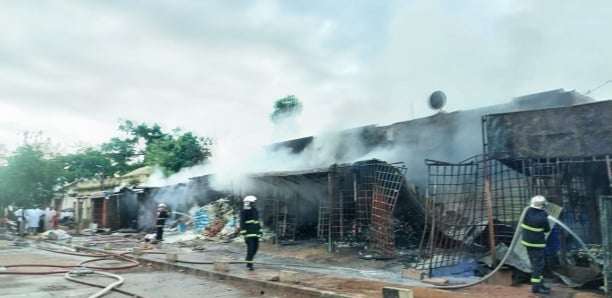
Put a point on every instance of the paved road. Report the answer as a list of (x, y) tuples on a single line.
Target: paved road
[(142, 281)]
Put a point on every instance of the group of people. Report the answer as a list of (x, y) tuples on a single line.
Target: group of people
[(34, 220)]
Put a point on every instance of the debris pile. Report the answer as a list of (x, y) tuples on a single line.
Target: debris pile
[(215, 221)]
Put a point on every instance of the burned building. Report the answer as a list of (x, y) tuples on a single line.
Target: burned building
[(563, 153), (405, 186), (372, 182), (351, 202)]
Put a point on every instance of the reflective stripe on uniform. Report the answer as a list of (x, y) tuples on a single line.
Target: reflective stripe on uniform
[(536, 280), (542, 245), (252, 221), (530, 228), (251, 235)]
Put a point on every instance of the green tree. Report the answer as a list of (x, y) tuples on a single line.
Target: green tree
[(176, 151), (4, 194), (86, 163), (286, 107), (142, 131), (122, 154), (29, 177), (149, 145)]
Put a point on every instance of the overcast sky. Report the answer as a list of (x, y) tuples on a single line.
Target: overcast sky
[(73, 69)]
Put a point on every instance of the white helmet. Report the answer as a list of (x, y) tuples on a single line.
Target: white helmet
[(250, 199), (161, 206), (538, 201)]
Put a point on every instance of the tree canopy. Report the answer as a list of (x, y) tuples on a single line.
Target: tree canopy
[(286, 107), (32, 173), (28, 178)]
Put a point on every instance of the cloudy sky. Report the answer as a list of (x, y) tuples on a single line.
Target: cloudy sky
[(74, 69)]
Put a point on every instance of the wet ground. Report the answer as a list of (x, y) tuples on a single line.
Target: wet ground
[(339, 274), (34, 277)]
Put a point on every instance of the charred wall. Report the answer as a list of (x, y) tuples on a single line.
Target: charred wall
[(575, 131)]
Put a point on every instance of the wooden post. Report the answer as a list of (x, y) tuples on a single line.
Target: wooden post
[(487, 189)]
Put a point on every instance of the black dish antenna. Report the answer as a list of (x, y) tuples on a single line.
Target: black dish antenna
[(437, 100)]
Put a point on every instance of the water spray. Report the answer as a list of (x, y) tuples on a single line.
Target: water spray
[(515, 238), (181, 213)]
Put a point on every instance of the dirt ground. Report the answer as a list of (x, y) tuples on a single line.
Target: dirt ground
[(349, 257)]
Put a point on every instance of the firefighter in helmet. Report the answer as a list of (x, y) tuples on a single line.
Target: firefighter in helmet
[(250, 228), (162, 214), (535, 226)]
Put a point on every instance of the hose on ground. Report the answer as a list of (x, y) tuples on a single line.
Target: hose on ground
[(515, 238), (106, 289), (101, 286), (99, 257)]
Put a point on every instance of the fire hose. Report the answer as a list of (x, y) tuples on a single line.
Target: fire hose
[(102, 292), (81, 269), (515, 238)]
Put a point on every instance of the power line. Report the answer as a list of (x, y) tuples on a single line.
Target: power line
[(603, 84)]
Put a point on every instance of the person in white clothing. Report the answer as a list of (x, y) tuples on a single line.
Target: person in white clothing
[(33, 217), (21, 221)]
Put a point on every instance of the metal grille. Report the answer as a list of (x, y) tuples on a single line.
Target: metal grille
[(323, 225), (361, 200), (282, 214), (457, 224), (342, 204), (605, 206), (389, 180), (365, 181), (454, 209)]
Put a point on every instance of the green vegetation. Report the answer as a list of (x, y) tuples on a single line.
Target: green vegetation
[(285, 108), (32, 173)]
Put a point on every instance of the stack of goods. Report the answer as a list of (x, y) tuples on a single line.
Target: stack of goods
[(201, 220)]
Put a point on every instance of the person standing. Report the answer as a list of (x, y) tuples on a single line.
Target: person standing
[(54, 218), (48, 218), (535, 226), (33, 217), (250, 228), (21, 220), (162, 214)]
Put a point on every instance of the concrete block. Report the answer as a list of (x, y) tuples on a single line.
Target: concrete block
[(413, 274), (221, 266), (288, 276), (171, 257), (137, 251), (391, 292), (435, 281)]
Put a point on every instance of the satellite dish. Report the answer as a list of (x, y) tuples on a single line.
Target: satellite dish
[(437, 100)]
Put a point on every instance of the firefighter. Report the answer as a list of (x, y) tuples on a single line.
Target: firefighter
[(162, 214), (535, 226), (250, 228)]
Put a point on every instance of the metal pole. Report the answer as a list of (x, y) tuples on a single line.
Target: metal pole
[(330, 196)]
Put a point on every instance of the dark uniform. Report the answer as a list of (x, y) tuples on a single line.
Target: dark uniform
[(159, 224), (252, 231), (535, 225)]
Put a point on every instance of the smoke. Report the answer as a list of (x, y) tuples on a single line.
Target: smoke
[(447, 137), (508, 50)]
